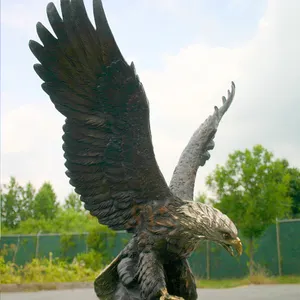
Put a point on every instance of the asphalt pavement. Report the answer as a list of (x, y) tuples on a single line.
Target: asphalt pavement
[(253, 292)]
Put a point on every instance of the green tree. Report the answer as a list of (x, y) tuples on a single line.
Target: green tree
[(26, 202), (70, 220), (10, 197), (16, 203), (253, 190), (65, 221), (73, 202), (45, 204), (295, 191)]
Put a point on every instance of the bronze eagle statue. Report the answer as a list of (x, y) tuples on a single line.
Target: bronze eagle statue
[(111, 162)]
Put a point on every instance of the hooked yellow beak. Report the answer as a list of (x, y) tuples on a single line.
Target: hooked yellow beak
[(234, 244)]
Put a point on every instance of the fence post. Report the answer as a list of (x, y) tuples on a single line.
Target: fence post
[(278, 247), (86, 243), (207, 260), (37, 245), (16, 249)]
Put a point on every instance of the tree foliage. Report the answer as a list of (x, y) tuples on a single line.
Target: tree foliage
[(201, 197), (9, 200), (25, 212), (16, 203), (204, 198), (252, 188), (65, 221), (294, 191), (26, 202), (45, 204), (73, 202)]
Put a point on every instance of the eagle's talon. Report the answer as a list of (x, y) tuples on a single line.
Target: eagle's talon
[(170, 297), (165, 296)]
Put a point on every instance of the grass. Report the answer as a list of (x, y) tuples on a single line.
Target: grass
[(260, 275), (221, 284), (255, 279), (46, 273)]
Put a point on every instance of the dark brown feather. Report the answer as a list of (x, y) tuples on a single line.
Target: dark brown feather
[(107, 139)]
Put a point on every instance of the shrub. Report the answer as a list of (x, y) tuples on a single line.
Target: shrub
[(45, 270), (92, 260)]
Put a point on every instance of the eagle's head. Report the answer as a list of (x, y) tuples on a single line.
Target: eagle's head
[(209, 223)]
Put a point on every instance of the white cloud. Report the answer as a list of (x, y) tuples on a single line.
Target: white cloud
[(31, 146), (30, 124), (265, 109), (182, 94)]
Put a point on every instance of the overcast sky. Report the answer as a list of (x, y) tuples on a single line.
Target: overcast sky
[(186, 54)]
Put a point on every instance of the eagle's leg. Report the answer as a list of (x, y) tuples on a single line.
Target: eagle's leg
[(180, 279), (151, 278)]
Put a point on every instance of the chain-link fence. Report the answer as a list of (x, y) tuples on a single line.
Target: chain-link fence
[(21, 249), (277, 251)]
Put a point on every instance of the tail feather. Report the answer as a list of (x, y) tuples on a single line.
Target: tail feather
[(116, 281), (105, 285)]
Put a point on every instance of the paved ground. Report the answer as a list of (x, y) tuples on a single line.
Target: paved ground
[(266, 292)]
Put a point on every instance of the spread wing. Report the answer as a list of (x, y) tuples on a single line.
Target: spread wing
[(196, 153), (107, 140)]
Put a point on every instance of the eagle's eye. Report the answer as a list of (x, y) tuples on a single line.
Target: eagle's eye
[(226, 236)]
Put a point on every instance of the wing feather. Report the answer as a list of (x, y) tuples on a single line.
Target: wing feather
[(107, 140)]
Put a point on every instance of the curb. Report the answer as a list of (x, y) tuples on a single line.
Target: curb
[(34, 287)]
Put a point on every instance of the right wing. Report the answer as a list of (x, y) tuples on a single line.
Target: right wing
[(107, 140), (196, 152)]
